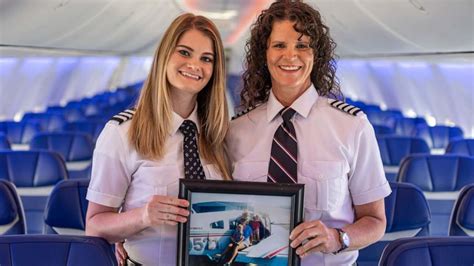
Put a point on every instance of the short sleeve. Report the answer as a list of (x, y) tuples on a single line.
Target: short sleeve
[(367, 182), (109, 178)]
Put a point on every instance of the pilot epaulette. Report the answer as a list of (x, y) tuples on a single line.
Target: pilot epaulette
[(124, 116), (345, 107), (241, 113)]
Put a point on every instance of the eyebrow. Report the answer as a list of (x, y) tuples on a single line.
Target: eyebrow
[(192, 50)]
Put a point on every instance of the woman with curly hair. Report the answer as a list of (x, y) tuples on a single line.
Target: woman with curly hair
[(306, 135)]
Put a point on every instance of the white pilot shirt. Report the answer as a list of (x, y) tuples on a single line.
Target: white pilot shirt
[(338, 160), (123, 178)]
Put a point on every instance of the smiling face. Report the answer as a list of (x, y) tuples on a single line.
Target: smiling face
[(289, 59), (190, 66)]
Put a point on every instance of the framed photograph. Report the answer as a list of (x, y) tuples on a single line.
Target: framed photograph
[(239, 223)]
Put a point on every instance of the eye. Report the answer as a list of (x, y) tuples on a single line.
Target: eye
[(279, 45), (207, 59), (184, 52), (302, 46)]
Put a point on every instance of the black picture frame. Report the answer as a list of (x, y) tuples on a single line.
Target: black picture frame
[(218, 200)]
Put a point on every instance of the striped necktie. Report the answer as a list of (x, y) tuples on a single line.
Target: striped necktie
[(283, 158), (192, 163)]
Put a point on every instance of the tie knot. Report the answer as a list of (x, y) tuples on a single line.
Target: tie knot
[(188, 127), (287, 113)]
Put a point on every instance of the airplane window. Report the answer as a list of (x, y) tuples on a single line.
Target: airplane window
[(218, 225)]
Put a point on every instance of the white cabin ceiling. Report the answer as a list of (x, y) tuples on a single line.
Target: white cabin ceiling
[(361, 28)]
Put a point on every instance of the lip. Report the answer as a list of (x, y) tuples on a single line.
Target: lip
[(190, 75)]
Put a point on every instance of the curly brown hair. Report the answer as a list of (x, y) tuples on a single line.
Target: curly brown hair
[(256, 77)]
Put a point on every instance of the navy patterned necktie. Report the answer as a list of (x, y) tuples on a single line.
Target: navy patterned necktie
[(283, 158), (192, 163)]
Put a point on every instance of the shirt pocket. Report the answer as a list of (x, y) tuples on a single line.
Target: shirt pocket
[(251, 171), (324, 182), (162, 180)]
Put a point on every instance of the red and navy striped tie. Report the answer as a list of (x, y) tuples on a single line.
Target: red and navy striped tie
[(283, 158)]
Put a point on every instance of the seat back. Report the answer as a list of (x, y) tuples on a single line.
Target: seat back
[(440, 177), (12, 217), (408, 215), (19, 132), (462, 217), (438, 137), (405, 126), (72, 146), (461, 147), (394, 148), (65, 212), (55, 250), (4, 142), (92, 128), (386, 118), (34, 173), (429, 251), (49, 122)]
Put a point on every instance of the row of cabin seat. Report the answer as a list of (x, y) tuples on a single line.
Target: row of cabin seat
[(407, 213), (88, 115), (75, 148), (394, 148), (392, 122)]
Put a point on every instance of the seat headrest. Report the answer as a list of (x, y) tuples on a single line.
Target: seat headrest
[(12, 220), (394, 148), (72, 146), (67, 205), (435, 173), (462, 217), (32, 168), (55, 250), (429, 251), (461, 147), (406, 208)]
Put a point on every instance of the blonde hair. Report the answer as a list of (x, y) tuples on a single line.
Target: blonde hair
[(151, 123)]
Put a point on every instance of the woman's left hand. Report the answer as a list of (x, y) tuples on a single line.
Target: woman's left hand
[(314, 236)]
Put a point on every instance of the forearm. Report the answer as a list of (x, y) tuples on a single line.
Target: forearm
[(365, 231), (115, 227)]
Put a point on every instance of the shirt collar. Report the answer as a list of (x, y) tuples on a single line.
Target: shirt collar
[(302, 105), (177, 120)]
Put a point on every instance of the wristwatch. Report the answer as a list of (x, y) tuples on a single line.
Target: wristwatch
[(343, 239)]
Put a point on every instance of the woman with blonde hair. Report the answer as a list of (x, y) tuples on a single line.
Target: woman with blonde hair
[(176, 131)]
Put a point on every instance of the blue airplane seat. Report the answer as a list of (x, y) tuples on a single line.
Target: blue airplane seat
[(383, 130), (4, 142), (394, 148), (440, 177), (47, 250), (34, 173), (76, 148), (462, 217), (438, 137), (405, 126), (65, 212), (19, 133), (384, 118), (12, 216), (49, 122), (70, 114), (408, 215), (461, 146), (429, 251), (92, 128)]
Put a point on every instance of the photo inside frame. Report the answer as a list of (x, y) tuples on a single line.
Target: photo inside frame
[(239, 228)]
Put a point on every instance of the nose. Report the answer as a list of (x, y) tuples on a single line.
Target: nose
[(192, 65), (290, 53)]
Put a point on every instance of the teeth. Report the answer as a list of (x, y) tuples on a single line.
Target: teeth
[(190, 75), (290, 67)]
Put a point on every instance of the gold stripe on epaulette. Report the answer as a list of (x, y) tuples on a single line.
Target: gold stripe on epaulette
[(345, 107), (124, 116)]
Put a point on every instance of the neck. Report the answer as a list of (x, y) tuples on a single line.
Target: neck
[(287, 95), (183, 104)]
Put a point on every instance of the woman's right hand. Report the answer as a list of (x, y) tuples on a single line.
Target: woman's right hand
[(165, 210)]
